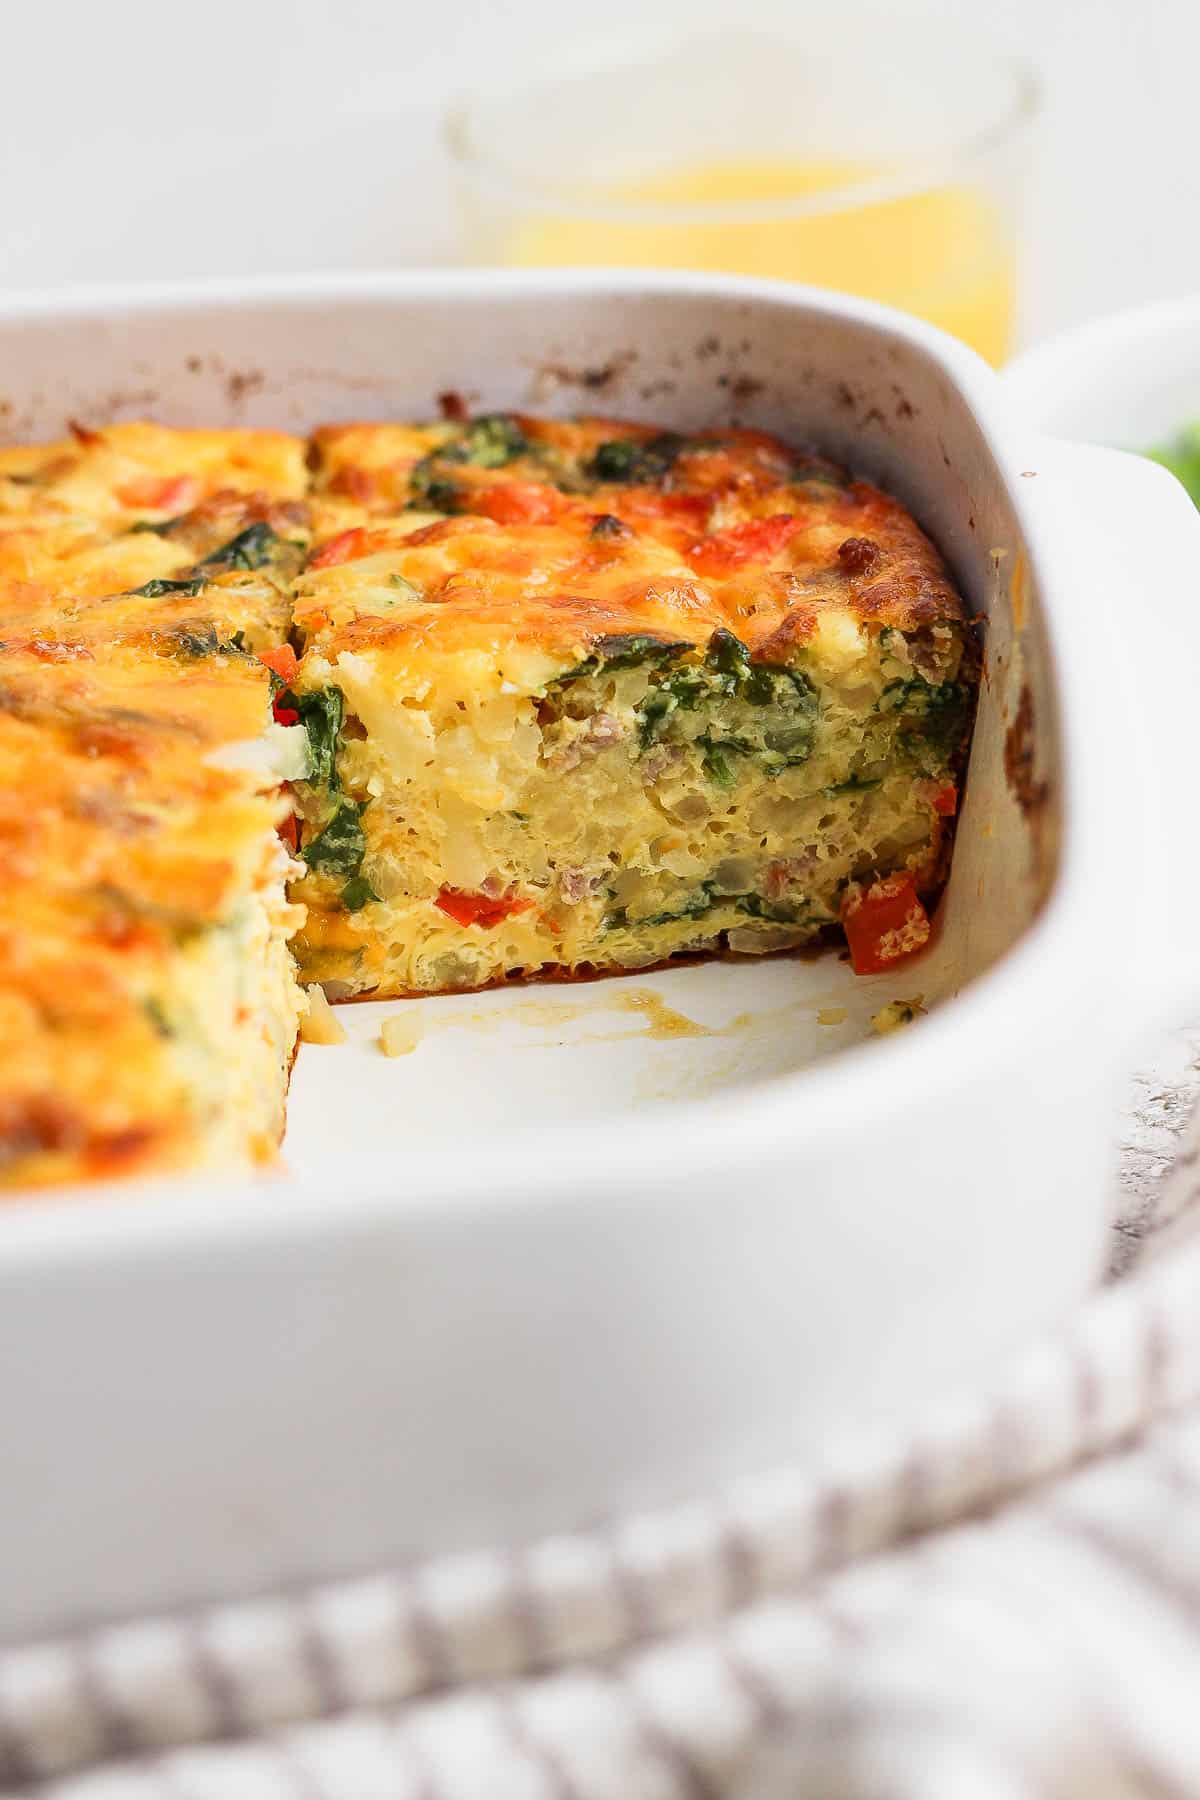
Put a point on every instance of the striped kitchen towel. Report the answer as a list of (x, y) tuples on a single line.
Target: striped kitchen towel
[(1007, 1607)]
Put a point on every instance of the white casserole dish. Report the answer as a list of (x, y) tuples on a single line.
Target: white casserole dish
[(1131, 379), (529, 1274)]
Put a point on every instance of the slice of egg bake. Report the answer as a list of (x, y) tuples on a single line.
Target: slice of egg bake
[(427, 707), (148, 998), (585, 696)]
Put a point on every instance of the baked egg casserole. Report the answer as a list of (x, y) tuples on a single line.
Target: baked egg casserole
[(415, 709)]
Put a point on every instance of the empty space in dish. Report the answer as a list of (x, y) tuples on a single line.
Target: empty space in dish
[(635, 1041)]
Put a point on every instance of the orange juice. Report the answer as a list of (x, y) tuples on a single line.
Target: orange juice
[(941, 252)]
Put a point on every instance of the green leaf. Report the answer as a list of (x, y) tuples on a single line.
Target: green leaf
[(252, 548), (340, 845), (154, 590), (727, 654), (770, 684), (1182, 457), (815, 469), (357, 893), (941, 707), (755, 907), (640, 462), (161, 527), (717, 752), (489, 442), (624, 650), (607, 525), (854, 784), (428, 491), (154, 1011), (197, 642), (694, 907), (652, 714), (321, 713)]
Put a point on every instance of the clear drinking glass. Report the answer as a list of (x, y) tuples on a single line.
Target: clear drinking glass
[(881, 159)]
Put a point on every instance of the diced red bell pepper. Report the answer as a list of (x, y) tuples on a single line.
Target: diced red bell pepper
[(884, 923), (518, 503), (689, 511), (753, 541), (480, 909), (340, 549), (170, 494), (281, 661)]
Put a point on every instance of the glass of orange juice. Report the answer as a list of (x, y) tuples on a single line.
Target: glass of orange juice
[(884, 160)]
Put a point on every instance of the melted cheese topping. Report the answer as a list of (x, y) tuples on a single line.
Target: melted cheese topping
[(571, 695), (536, 771)]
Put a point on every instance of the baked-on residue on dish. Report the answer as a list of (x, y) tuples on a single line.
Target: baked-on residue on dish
[(430, 707)]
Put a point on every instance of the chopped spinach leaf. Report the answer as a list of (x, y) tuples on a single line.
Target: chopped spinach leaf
[(357, 893), (769, 684), (321, 716), (780, 730), (443, 496), (693, 907), (154, 590), (913, 694), (816, 469), (624, 651), (489, 442), (687, 685), (705, 900), (428, 491), (607, 525), (252, 548), (627, 459), (727, 654), (942, 707), (198, 641), (717, 752), (161, 527), (854, 784), (755, 907), (340, 845), (652, 715), (154, 1011)]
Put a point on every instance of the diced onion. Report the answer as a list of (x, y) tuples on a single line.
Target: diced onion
[(400, 1034), (318, 1025)]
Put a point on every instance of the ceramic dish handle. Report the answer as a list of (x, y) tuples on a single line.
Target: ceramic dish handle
[(1127, 540)]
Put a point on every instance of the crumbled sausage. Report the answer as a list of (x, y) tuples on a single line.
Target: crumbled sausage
[(857, 555)]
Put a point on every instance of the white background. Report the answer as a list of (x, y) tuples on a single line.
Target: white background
[(143, 139)]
